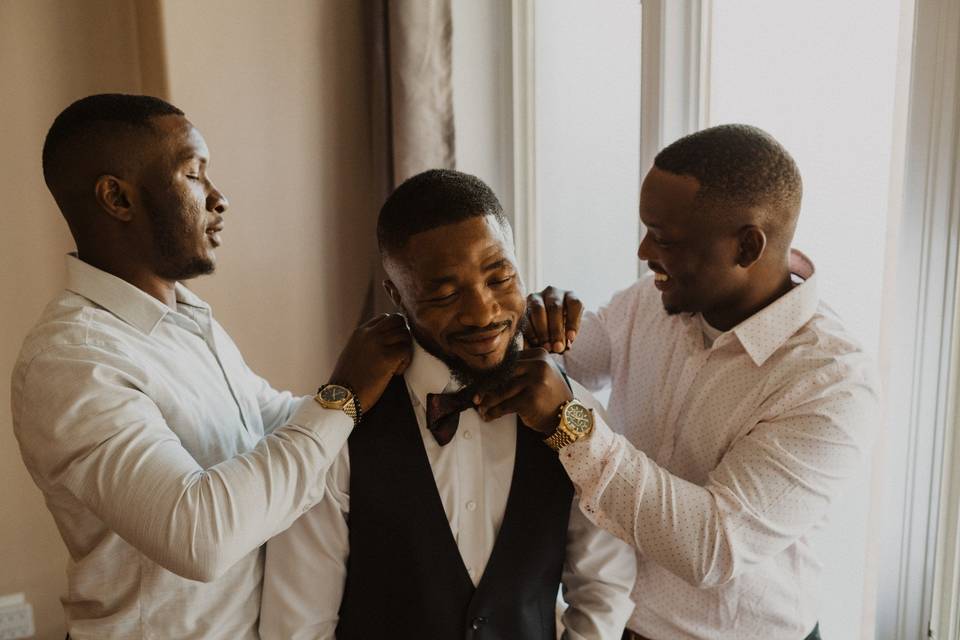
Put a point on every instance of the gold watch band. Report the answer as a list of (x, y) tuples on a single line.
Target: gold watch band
[(559, 439)]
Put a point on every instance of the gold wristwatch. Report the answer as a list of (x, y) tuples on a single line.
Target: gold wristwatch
[(337, 396), (576, 421)]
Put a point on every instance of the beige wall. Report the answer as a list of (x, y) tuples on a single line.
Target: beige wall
[(280, 93)]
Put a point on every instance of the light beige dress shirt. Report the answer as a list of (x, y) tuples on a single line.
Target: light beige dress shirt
[(306, 565), (724, 458), (165, 461)]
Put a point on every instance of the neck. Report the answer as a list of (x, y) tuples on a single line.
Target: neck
[(757, 297), (137, 274)]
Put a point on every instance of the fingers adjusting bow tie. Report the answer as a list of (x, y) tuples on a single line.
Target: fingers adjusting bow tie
[(443, 413)]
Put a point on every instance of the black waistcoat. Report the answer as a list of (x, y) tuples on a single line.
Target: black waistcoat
[(405, 575)]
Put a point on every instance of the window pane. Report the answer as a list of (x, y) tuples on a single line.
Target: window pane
[(587, 144)]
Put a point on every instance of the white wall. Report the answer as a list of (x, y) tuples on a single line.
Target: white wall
[(587, 144), (820, 76)]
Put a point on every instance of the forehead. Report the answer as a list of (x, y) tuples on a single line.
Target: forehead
[(179, 139), (470, 244), (667, 199)]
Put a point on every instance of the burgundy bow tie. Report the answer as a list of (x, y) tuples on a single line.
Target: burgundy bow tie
[(443, 413)]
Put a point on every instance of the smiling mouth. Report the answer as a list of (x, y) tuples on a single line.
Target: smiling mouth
[(660, 279), (482, 343)]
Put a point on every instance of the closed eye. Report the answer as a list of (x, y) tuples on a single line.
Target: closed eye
[(442, 299)]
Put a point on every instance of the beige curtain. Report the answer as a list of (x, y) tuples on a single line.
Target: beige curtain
[(411, 99)]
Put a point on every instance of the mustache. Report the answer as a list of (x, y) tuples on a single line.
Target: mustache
[(495, 326)]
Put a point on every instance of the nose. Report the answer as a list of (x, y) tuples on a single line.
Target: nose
[(216, 201), (479, 308), (645, 248)]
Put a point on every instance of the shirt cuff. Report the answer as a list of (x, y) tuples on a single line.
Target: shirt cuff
[(331, 427), (586, 458)]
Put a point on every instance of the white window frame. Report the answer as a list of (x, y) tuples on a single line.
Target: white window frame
[(919, 577), (936, 92), (525, 219)]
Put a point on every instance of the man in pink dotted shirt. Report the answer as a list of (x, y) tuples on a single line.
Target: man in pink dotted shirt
[(740, 408)]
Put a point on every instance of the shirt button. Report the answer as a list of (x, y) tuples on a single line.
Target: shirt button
[(471, 506), (468, 435)]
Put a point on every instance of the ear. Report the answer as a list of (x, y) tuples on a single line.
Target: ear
[(393, 292), (753, 241), (113, 196)]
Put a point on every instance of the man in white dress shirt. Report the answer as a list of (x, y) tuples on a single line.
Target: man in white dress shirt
[(742, 407), (165, 461), (435, 524)]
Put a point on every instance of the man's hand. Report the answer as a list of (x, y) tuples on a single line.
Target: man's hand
[(553, 319), (535, 394), (378, 350)]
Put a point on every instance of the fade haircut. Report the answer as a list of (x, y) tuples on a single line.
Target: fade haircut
[(741, 167), (96, 116), (432, 199)]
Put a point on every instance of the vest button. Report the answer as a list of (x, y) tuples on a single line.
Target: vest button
[(478, 622)]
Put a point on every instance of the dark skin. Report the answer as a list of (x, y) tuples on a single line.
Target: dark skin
[(459, 288), (152, 216), (724, 266)]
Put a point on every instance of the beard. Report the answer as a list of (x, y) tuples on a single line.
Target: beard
[(491, 379), (172, 237)]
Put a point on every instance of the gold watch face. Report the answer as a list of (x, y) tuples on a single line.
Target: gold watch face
[(578, 418), (334, 394)]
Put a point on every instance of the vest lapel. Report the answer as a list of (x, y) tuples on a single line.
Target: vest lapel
[(402, 445), (528, 489)]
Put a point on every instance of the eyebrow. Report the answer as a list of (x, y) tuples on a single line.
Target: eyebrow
[(438, 282), (502, 262), (435, 283), (190, 154)]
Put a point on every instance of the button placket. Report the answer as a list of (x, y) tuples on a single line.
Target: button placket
[(691, 369)]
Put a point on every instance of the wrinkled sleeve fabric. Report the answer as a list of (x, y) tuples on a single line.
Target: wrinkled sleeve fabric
[(598, 576), (599, 570), (589, 359), (306, 567), (84, 424), (770, 487)]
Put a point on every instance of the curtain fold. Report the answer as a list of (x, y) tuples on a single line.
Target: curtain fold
[(411, 98)]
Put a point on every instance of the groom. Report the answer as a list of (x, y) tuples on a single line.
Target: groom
[(436, 524)]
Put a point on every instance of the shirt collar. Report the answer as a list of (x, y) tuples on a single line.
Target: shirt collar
[(428, 374), (767, 330), (122, 299)]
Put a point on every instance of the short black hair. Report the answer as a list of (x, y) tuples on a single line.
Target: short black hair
[(738, 165), (84, 115), (432, 199)]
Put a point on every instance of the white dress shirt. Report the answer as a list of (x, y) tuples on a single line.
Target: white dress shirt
[(729, 458), (145, 431), (306, 565)]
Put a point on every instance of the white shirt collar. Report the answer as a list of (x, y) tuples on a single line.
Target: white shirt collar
[(428, 374), (132, 305), (767, 330)]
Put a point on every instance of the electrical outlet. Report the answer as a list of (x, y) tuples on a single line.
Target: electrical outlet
[(16, 617)]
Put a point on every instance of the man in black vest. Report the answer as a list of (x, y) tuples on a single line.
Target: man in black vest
[(437, 525)]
